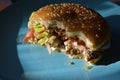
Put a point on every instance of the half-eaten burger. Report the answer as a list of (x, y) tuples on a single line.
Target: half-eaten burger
[(76, 30)]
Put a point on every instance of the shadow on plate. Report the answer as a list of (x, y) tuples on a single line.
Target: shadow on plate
[(113, 54), (10, 68)]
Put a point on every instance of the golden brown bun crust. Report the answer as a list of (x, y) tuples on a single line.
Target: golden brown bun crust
[(77, 18)]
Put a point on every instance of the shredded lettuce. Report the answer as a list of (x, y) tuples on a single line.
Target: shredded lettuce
[(32, 14), (38, 28), (42, 34), (43, 41), (44, 37)]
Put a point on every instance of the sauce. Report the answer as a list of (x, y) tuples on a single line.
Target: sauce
[(88, 67)]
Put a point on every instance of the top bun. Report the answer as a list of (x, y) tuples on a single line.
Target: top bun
[(77, 20)]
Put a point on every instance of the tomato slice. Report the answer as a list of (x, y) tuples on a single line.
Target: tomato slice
[(30, 34)]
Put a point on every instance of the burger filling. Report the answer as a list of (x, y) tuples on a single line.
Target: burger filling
[(56, 40)]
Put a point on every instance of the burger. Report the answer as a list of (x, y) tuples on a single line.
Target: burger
[(73, 29)]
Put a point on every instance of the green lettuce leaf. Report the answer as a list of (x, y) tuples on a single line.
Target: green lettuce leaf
[(41, 33), (44, 34), (38, 28), (43, 41)]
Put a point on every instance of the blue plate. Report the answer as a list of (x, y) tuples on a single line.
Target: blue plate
[(32, 62)]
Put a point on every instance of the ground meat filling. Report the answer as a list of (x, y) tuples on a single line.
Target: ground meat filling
[(57, 38), (73, 46)]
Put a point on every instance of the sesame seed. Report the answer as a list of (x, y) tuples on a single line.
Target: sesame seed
[(61, 11), (87, 11), (91, 13), (91, 27), (82, 12), (81, 7), (58, 15), (83, 25), (67, 11), (90, 17), (68, 20), (84, 8), (85, 18), (99, 28), (99, 25), (97, 35), (98, 22), (48, 14)]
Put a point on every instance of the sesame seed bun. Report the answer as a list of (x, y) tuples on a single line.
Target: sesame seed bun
[(77, 20)]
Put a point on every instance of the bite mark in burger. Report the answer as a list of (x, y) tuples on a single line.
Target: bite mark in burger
[(76, 30)]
